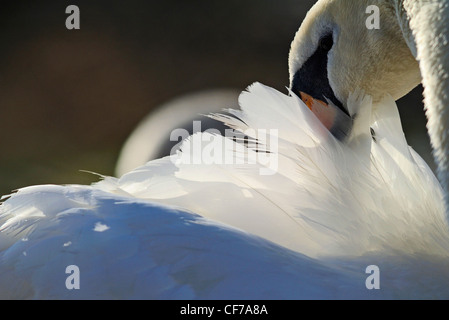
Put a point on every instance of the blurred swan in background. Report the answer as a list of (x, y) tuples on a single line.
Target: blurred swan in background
[(319, 189), (151, 138)]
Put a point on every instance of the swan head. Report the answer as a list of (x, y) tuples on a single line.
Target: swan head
[(334, 53)]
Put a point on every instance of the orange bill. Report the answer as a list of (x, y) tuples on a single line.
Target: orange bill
[(322, 110)]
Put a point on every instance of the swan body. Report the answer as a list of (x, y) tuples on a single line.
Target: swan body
[(431, 38), (301, 212), (160, 231), (410, 47), (151, 139)]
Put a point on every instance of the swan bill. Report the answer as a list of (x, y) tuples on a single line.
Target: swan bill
[(337, 122), (322, 110)]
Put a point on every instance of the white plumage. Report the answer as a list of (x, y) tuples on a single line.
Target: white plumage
[(186, 231), (151, 138), (291, 213)]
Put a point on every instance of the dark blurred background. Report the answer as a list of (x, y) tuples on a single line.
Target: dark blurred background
[(70, 98)]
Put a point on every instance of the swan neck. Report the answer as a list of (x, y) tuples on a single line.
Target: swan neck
[(425, 26)]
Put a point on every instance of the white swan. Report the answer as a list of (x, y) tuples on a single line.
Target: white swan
[(326, 206), (151, 138)]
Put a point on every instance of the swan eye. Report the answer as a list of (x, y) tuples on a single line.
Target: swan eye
[(326, 42)]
